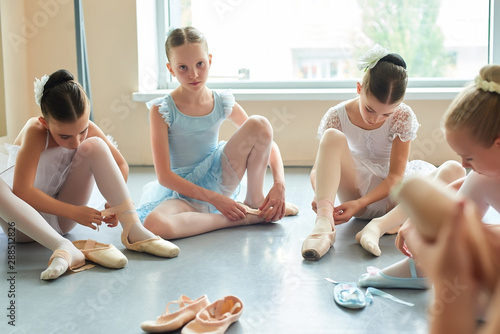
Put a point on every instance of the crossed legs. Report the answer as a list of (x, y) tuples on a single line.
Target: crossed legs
[(247, 150)]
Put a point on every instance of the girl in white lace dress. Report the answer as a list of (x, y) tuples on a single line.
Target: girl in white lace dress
[(363, 151)]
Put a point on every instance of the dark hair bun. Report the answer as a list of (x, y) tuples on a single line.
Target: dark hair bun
[(395, 59), (57, 78)]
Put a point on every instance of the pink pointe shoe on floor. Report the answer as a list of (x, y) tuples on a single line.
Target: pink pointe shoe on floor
[(171, 321), (216, 317)]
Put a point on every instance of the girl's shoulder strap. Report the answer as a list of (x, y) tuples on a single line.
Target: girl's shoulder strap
[(47, 139)]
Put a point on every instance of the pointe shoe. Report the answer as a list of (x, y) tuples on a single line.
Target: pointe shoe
[(66, 256), (105, 255), (216, 317), (290, 209), (156, 246), (171, 321), (376, 279), (317, 244)]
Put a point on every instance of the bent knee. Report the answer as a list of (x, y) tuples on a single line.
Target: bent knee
[(261, 126), (331, 136), (452, 170), (92, 144)]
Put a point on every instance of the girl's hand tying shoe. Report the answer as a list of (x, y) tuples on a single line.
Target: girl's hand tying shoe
[(86, 216), (110, 220)]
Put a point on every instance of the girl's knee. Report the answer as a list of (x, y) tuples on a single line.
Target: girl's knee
[(158, 225), (92, 144), (453, 170), (261, 126), (332, 136)]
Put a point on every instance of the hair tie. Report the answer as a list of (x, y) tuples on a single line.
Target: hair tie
[(487, 86), (39, 85), (395, 59), (372, 57)]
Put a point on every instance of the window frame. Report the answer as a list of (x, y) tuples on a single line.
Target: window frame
[(418, 89)]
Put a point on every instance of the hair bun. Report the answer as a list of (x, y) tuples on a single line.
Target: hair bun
[(57, 78), (395, 59), (490, 73)]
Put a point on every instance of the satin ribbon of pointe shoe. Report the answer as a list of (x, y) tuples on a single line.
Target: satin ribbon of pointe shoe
[(370, 292)]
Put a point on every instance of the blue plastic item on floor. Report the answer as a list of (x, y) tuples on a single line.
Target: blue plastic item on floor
[(349, 295)]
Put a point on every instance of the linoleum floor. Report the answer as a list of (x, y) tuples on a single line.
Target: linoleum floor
[(260, 264)]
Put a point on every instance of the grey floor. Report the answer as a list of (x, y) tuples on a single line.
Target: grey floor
[(261, 264)]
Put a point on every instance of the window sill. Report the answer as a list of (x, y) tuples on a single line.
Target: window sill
[(311, 94)]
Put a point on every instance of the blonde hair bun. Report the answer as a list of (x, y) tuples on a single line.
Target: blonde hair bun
[(490, 73)]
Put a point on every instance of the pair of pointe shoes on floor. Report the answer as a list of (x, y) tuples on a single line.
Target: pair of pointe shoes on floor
[(108, 255), (199, 315)]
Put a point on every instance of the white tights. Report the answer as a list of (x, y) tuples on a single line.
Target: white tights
[(92, 160), (21, 223)]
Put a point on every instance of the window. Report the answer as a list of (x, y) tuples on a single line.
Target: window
[(316, 43)]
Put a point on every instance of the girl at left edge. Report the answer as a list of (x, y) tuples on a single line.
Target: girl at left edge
[(57, 158)]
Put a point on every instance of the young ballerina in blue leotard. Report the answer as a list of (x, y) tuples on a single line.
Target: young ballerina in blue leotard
[(196, 173)]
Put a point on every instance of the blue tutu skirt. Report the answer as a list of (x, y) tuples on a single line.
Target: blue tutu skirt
[(208, 174)]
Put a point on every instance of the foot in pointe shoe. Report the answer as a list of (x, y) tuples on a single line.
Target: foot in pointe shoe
[(103, 254), (127, 215), (156, 246), (377, 279), (317, 244), (290, 209)]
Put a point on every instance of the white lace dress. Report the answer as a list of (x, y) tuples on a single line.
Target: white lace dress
[(371, 149)]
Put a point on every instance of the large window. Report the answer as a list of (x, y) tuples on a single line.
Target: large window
[(316, 43)]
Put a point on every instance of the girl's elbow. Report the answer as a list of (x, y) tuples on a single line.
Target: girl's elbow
[(166, 180), (21, 192)]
